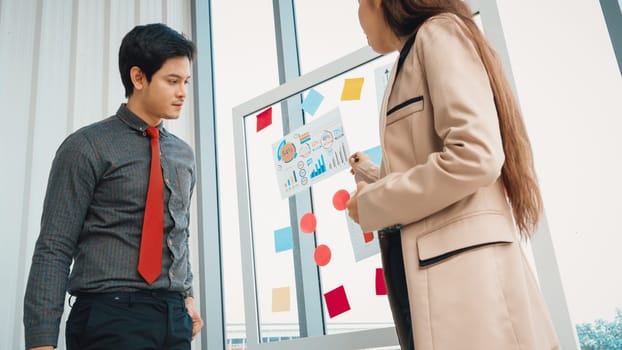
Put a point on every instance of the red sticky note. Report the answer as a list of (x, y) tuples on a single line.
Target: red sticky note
[(340, 198), (381, 288), (322, 255), (308, 223), (264, 119), (336, 301), (368, 236)]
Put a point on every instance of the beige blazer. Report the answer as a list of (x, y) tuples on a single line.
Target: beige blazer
[(469, 284)]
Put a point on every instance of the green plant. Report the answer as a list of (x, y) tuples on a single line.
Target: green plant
[(601, 334)]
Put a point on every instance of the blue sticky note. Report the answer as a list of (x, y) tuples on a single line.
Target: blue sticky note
[(312, 102), (283, 239), (375, 153)]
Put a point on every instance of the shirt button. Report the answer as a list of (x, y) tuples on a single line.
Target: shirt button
[(170, 242), (168, 182)]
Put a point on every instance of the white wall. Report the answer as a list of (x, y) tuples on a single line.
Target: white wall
[(58, 72)]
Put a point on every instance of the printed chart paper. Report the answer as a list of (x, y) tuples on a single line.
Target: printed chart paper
[(382, 75), (364, 244), (310, 154)]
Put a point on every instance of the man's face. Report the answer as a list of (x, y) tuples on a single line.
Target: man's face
[(164, 96)]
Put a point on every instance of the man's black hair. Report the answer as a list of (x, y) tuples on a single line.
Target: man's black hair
[(148, 47)]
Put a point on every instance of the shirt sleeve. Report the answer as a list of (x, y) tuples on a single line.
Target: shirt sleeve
[(465, 119), (69, 191)]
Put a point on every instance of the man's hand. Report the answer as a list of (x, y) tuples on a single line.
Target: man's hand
[(352, 204), (197, 322), (43, 348)]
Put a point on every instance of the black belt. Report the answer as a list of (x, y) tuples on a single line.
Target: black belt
[(131, 296)]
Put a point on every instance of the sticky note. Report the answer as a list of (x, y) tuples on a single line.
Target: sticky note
[(322, 255), (280, 299), (336, 302), (283, 239), (308, 223), (375, 153), (381, 288), (352, 89), (368, 237), (340, 198), (312, 102), (264, 119)]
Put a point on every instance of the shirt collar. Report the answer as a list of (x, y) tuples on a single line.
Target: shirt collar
[(133, 121)]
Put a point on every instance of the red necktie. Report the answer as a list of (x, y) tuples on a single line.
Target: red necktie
[(150, 256)]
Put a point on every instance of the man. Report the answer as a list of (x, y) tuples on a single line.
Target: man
[(117, 205)]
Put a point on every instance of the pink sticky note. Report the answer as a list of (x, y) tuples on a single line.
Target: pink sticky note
[(308, 223), (381, 288), (340, 198), (322, 255), (264, 119), (336, 301)]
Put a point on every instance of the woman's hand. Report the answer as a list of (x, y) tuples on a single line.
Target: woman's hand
[(352, 204), (356, 159)]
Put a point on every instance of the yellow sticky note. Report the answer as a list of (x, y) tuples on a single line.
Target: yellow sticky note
[(352, 89), (280, 299)]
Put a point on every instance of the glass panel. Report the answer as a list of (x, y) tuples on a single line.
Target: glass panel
[(354, 270), (237, 80), (319, 42), (274, 269)]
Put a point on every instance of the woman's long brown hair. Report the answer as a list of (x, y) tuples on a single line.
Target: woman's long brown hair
[(518, 173)]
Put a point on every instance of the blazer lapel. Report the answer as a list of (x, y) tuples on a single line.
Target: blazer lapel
[(383, 111)]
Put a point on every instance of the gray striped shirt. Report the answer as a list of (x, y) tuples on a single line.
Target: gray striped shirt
[(93, 213)]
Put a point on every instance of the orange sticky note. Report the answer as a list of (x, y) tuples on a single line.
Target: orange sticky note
[(352, 89)]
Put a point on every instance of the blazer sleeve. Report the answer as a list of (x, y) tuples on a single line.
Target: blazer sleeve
[(367, 172), (465, 119)]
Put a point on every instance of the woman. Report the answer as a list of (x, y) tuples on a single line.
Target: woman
[(456, 187)]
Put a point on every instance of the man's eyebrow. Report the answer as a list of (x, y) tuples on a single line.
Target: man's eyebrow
[(173, 75)]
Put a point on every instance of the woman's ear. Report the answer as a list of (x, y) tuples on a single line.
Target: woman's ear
[(138, 78)]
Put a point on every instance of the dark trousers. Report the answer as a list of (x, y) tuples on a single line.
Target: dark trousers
[(395, 280), (129, 321)]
